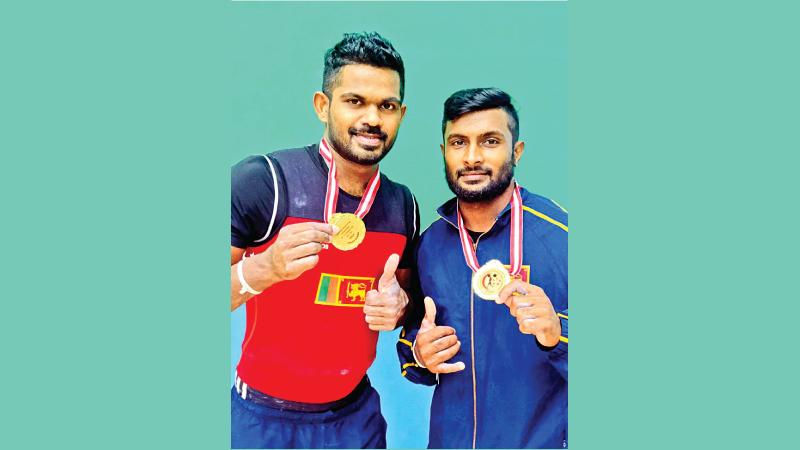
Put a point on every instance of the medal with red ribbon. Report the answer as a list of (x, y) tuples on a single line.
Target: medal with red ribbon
[(351, 225), (488, 280)]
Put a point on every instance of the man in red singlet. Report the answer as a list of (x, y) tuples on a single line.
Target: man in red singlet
[(321, 256)]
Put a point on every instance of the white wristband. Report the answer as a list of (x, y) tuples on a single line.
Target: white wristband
[(414, 353), (245, 287)]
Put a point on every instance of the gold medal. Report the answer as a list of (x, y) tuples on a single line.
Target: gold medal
[(351, 231), (490, 279)]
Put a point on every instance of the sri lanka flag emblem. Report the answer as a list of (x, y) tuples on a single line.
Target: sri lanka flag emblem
[(342, 290), (524, 274)]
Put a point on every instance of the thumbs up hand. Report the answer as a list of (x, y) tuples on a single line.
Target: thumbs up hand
[(384, 307), (436, 344)]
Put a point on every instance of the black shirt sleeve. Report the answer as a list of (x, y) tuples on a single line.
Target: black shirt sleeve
[(408, 259), (255, 214)]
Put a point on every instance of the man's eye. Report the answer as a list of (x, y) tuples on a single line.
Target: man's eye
[(389, 106), (492, 141), (354, 101), (457, 142)]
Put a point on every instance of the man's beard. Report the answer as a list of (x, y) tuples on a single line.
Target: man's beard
[(345, 148), (497, 185)]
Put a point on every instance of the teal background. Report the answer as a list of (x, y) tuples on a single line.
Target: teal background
[(277, 60), (116, 138)]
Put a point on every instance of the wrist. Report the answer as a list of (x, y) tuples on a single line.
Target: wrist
[(246, 288), (417, 359)]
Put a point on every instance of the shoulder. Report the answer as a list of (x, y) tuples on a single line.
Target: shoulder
[(544, 214), (250, 170), (546, 221), (395, 189), (397, 197), (433, 233), (294, 155)]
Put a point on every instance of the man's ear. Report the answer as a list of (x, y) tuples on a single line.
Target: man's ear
[(442, 147), (402, 112), (321, 105), (519, 149)]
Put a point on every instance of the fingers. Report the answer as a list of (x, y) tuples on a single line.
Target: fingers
[(376, 311), (301, 251), (430, 313), (309, 236), (435, 333), (540, 321), (379, 323), (530, 326), (437, 345), (388, 270), (517, 302), (303, 226), (443, 343), (448, 367), (516, 286), (532, 312), (378, 314), (374, 298), (298, 266), (439, 351)]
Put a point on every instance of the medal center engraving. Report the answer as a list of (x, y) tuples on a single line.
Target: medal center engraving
[(492, 281), (349, 232)]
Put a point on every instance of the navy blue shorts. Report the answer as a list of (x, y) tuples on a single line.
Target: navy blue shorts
[(357, 425)]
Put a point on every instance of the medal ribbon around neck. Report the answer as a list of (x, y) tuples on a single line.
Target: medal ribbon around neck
[(332, 193), (516, 236)]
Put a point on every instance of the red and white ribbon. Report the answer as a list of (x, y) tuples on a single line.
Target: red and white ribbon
[(332, 192), (516, 236)]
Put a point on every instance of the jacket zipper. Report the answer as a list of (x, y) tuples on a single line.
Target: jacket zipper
[(472, 343), (472, 353)]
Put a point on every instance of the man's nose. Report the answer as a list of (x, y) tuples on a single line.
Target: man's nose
[(473, 155), (371, 117)]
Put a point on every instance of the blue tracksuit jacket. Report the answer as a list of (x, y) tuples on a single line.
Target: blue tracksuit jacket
[(513, 392)]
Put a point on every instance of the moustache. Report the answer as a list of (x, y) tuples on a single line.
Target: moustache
[(374, 131), (473, 171)]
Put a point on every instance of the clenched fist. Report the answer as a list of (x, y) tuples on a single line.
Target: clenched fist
[(436, 344), (533, 310), (384, 307)]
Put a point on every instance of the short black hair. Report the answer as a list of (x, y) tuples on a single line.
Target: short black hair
[(361, 48), (470, 100)]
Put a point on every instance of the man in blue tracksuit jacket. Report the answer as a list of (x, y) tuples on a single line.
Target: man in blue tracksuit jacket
[(499, 367)]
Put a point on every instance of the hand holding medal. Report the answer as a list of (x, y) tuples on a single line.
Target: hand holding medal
[(533, 310)]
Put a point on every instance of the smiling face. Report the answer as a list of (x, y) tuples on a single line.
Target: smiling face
[(479, 155), (363, 113)]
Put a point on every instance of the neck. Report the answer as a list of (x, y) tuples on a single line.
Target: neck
[(480, 216), (352, 177)]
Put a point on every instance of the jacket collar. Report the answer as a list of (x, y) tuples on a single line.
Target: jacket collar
[(448, 210)]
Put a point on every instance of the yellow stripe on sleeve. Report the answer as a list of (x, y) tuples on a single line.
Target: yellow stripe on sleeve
[(563, 339), (405, 341), (562, 316), (545, 217)]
